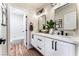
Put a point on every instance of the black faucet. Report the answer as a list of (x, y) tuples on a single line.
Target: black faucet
[(62, 32)]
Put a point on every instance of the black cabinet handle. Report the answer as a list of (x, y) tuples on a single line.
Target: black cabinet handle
[(39, 39), (56, 46), (52, 44), (39, 47), (32, 36)]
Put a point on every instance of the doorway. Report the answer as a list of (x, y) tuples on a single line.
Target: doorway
[(17, 30)]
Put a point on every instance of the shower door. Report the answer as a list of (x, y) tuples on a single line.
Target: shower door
[(3, 30)]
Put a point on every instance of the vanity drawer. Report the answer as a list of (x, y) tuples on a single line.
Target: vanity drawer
[(40, 49), (33, 42), (40, 40), (35, 38)]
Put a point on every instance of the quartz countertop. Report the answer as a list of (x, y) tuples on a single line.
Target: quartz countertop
[(69, 39)]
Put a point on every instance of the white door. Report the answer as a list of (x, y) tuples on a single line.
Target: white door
[(49, 47), (16, 27), (17, 24), (64, 49)]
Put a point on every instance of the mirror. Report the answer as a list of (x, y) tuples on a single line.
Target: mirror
[(67, 14), (70, 21), (41, 22)]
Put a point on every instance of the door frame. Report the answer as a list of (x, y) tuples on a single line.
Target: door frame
[(8, 29)]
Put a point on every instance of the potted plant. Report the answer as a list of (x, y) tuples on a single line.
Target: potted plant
[(50, 26)]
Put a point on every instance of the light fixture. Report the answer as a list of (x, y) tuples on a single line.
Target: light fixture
[(53, 4)]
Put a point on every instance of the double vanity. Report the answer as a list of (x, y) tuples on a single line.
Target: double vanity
[(54, 45), (66, 44)]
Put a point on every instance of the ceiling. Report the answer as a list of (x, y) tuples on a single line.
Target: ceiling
[(29, 5)]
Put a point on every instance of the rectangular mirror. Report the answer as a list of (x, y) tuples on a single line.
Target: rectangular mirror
[(68, 14), (41, 22)]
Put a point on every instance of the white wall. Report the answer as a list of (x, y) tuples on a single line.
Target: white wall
[(0, 22), (49, 12)]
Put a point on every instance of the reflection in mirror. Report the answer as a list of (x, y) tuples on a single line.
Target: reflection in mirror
[(66, 13), (41, 23), (70, 21)]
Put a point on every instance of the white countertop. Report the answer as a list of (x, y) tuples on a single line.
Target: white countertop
[(69, 39)]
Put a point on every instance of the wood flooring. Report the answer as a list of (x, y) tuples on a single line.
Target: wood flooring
[(20, 50)]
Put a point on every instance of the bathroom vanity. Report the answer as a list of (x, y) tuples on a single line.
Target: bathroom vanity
[(54, 45)]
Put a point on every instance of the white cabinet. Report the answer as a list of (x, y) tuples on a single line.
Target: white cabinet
[(52, 47), (49, 47), (58, 48), (64, 49), (38, 43), (33, 40)]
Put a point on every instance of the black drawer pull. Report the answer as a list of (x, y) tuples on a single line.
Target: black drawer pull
[(32, 36), (56, 46), (52, 44), (39, 39), (39, 47)]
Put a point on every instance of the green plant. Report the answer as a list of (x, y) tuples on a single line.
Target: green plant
[(50, 24)]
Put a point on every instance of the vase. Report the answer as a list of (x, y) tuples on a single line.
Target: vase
[(51, 31)]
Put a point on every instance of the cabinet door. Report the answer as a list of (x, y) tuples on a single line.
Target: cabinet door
[(49, 47), (33, 41), (64, 49), (40, 44)]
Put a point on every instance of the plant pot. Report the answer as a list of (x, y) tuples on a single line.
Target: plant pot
[(51, 31)]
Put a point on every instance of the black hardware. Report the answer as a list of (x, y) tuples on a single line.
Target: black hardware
[(2, 41), (66, 34), (26, 16), (39, 47), (55, 45), (3, 25), (32, 36), (26, 29), (62, 32), (39, 39), (58, 33), (52, 45)]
